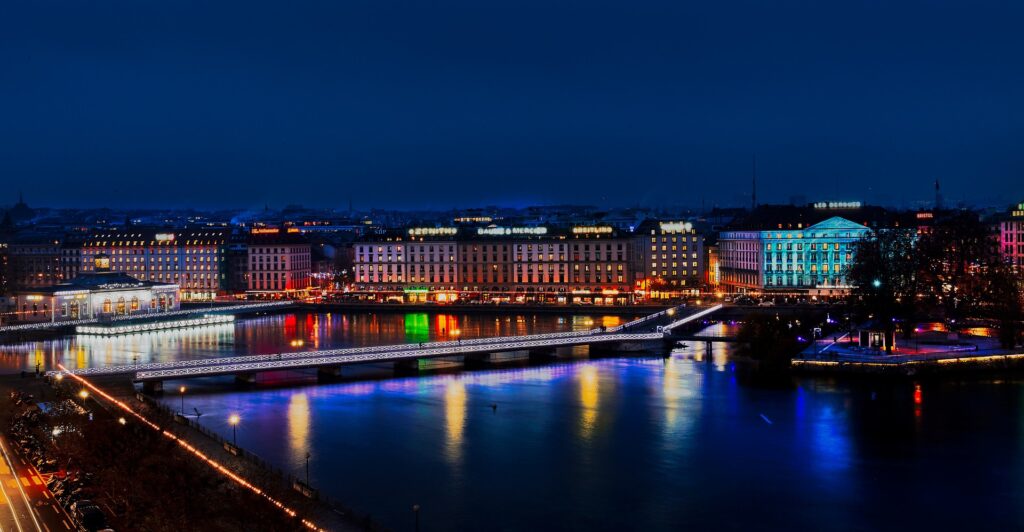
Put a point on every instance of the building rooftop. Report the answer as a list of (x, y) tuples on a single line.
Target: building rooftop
[(98, 281)]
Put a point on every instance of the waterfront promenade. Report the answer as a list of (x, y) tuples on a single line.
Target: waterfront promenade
[(933, 353)]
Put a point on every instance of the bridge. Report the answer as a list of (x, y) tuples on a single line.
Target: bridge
[(654, 332)]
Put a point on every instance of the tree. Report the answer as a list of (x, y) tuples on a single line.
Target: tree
[(1004, 301), (952, 257), (885, 278), (771, 341)]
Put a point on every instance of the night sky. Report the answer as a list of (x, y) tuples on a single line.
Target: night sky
[(464, 103)]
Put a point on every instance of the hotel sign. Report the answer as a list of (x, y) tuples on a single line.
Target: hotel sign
[(500, 231), (433, 231), (676, 227), (602, 229), (837, 205)]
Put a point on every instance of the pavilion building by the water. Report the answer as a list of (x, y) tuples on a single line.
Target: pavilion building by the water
[(97, 294)]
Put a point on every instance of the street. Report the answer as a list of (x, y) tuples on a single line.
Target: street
[(27, 505)]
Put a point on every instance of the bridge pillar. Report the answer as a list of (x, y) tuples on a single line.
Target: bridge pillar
[(543, 354), (245, 378), (409, 366), (476, 360), (479, 360), (152, 387), (328, 373), (605, 349), (570, 351)]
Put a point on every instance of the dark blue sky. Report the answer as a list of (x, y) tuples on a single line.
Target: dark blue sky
[(410, 104)]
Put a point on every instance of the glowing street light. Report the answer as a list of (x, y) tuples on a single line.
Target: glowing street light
[(84, 394), (233, 420), (877, 283), (122, 420), (182, 392)]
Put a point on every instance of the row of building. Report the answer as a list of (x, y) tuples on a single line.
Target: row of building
[(800, 251), (581, 264)]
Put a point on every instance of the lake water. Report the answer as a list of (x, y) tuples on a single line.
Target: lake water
[(610, 444)]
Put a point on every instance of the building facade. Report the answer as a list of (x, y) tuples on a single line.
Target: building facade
[(1011, 236), (34, 262), (809, 261), (190, 258), (672, 259), (580, 264), (98, 293), (279, 263)]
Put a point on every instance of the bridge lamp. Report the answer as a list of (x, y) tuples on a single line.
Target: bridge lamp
[(182, 392), (84, 394)]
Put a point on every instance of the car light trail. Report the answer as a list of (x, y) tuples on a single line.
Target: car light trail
[(21, 490), (196, 452)]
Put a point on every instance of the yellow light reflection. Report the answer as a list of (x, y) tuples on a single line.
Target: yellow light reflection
[(671, 391), (588, 398), (611, 321), (455, 417), (298, 425)]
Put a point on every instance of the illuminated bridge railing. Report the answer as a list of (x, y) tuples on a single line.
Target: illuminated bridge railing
[(298, 355), (385, 356), (297, 359), (692, 317), (92, 321), (645, 319)]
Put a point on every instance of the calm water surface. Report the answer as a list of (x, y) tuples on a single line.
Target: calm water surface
[(611, 444)]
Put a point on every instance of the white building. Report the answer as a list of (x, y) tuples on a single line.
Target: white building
[(96, 294)]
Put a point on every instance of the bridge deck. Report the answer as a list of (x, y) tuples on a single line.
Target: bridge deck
[(641, 330)]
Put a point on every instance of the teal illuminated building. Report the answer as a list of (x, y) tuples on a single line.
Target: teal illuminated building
[(808, 260)]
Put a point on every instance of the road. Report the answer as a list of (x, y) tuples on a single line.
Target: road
[(25, 502)]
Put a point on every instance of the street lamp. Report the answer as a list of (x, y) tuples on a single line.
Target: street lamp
[(416, 516), (877, 283), (307, 468), (233, 420), (182, 392), (84, 394), (122, 420)]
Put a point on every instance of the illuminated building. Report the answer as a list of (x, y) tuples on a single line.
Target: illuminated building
[(98, 293), (279, 263), (581, 264), (190, 258), (33, 261), (1011, 236), (672, 259), (804, 261)]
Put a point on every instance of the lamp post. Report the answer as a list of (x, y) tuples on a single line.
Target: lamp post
[(233, 420), (416, 516), (307, 468), (182, 392)]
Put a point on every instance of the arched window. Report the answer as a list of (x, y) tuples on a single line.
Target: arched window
[(106, 306)]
